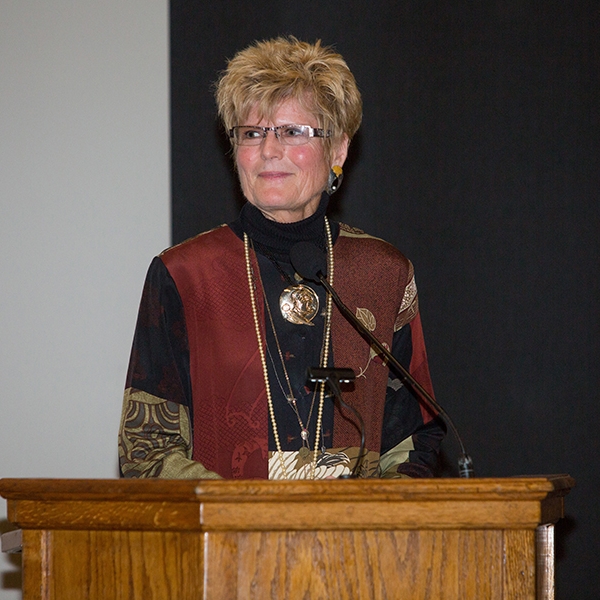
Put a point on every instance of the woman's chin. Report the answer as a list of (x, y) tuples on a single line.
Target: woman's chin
[(285, 213), (283, 207)]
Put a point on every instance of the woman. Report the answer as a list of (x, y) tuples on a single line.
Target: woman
[(226, 329)]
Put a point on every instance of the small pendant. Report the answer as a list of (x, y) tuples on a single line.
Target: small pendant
[(304, 434), (304, 453), (299, 304)]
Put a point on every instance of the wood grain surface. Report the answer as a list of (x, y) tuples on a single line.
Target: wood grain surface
[(370, 539)]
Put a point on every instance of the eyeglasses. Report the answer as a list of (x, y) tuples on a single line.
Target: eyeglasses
[(290, 135)]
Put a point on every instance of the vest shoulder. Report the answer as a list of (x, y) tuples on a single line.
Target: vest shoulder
[(221, 237), (357, 241)]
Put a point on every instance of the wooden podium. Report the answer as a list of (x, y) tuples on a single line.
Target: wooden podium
[(356, 539)]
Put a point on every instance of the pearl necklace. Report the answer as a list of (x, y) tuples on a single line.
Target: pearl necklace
[(324, 357)]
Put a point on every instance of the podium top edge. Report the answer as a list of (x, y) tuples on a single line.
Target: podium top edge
[(179, 490)]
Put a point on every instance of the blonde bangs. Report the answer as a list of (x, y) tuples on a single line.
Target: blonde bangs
[(270, 72)]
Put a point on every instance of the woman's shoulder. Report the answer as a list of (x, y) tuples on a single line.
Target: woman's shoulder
[(356, 241), (220, 239)]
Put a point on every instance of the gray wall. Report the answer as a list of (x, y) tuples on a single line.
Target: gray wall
[(84, 205)]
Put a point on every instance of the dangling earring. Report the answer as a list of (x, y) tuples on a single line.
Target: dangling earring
[(335, 179)]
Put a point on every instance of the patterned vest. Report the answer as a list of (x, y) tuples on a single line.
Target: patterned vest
[(230, 414)]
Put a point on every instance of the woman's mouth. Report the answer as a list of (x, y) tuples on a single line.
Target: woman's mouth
[(273, 175)]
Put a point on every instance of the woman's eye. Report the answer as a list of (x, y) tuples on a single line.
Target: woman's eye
[(252, 134), (292, 132)]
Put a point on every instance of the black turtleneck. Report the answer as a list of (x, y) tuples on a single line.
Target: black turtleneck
[(276, 239), (300, 344)]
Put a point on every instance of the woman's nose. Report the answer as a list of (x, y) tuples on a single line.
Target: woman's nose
[(271, 147)]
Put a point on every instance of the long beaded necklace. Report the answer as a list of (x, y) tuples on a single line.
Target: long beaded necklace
[(290, 396), (324, 354)]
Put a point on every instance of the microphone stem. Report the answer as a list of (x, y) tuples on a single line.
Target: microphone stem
[(465, 464)]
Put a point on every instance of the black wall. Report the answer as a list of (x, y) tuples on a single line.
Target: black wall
[(478, 158)]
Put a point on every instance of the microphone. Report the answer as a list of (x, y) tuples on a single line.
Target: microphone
[(311, 263)]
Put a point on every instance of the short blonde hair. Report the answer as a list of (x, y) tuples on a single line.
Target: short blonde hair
[(269, 72)]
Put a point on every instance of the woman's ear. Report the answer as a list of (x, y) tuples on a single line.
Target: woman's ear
[(340, 152)]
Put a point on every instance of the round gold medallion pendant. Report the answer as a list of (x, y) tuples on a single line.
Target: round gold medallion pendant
[(299, 304)]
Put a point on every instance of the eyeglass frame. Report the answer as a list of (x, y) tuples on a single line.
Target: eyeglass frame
[(313, 132)]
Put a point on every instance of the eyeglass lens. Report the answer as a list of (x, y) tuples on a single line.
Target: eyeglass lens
[(292, 135)]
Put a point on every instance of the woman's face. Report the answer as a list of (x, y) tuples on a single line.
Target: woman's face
[(285, 182)]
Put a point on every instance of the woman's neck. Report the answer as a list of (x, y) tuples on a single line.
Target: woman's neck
[(277, 238)]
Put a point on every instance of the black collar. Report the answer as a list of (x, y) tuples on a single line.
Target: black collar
[(276, 239)]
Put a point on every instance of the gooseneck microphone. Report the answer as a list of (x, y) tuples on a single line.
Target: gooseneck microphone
[(311, 263)]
